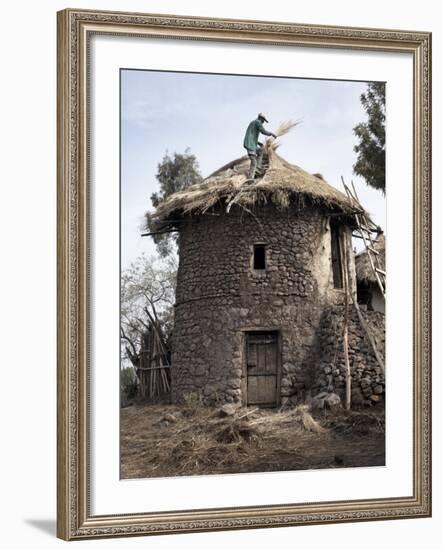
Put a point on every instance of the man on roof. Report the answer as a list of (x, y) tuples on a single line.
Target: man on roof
[(253, 146)]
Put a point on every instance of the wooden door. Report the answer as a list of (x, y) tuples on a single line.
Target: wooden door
[(262, 368)]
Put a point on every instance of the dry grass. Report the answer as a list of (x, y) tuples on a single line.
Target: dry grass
[(282, 184), (357, 423), (271, 144), (169, 440), (298, 420)]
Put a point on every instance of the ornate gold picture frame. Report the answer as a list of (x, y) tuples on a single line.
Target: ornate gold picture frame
[(75, 30)]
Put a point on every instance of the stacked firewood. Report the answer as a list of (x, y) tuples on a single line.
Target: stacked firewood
[(154, 370)]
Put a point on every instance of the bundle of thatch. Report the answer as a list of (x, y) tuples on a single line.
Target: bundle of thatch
[(282, 185), (285, 127), (363, 268)]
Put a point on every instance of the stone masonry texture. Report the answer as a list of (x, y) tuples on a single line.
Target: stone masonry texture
[(220, 297)]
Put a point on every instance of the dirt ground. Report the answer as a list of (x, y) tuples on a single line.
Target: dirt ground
[(166, 440)]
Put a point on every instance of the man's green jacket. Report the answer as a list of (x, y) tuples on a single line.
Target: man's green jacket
[(254, 129)]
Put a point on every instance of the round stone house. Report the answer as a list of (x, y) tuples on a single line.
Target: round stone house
[(260, 264)]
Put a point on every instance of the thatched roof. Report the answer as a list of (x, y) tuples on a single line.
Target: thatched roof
[(363, 265), (283, 184)]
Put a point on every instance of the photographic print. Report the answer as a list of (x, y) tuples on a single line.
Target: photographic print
[(226, 193), (252, 311)]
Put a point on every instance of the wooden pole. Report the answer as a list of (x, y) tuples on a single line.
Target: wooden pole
[(362, 225), (368, 334), (345, 325)]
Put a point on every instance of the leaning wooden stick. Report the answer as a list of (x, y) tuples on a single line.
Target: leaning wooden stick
[(345, 333)]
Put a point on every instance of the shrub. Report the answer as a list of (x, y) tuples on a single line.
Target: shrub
[(128, 385)]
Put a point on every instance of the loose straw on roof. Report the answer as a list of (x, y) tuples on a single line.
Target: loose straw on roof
[(282, 183)]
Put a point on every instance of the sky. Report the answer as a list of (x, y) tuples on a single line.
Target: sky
[(209, 113)]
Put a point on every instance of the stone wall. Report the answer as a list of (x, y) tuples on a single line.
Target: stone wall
[(368, 382), (220, 297)]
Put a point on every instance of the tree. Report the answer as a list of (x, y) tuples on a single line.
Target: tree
[(147, 298), (370, 150), (174, 174)]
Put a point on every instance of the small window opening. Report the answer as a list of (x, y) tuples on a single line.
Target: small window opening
[(259, 262), (336, 256)]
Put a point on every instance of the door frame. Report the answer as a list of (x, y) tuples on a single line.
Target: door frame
[(244, 383)]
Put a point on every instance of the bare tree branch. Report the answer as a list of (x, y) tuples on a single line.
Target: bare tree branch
[(131, 351)]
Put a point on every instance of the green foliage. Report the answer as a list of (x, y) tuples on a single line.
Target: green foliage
[(174, 174), (370, 150)]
